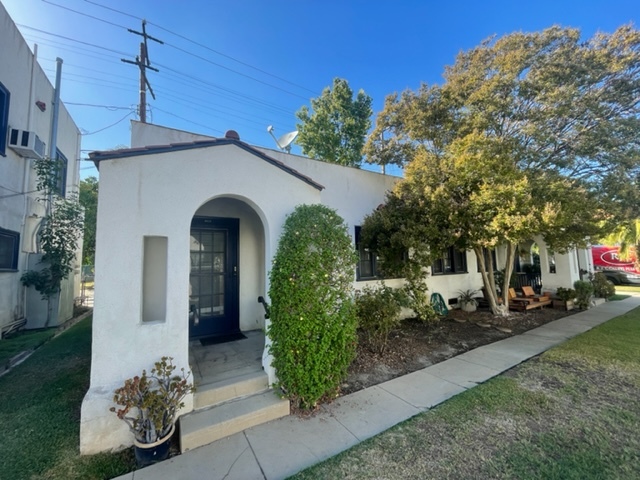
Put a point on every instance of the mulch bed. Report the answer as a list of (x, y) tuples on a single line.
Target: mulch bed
[(414, 345)]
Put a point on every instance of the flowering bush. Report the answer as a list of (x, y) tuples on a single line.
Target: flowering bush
[(151, 402)]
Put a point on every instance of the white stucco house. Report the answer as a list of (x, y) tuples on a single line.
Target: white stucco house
[(187, 228), (26, 110)]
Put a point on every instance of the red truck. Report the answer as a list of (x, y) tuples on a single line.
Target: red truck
[(607, 260)]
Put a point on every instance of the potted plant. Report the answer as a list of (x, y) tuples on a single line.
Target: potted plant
[(150, 403), (565, 298), (584, 290), (467, 301)]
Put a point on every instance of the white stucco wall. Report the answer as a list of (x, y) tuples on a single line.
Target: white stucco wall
[(144, 135), (355, 193), (159, 195), (19, 211)]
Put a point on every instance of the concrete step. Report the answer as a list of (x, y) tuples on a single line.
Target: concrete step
[(202, 427), (229, 389)]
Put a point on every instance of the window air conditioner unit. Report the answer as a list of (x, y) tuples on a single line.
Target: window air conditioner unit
[(26, 144)]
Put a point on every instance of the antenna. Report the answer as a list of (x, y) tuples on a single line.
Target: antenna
[(285, 141)]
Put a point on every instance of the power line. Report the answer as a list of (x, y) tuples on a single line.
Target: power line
[(85, 14), (108, 107), (202, 46), (233, 92), (108, 126), (179, 49), (71, 39), (167, 68), (17, 194), (187, 120)]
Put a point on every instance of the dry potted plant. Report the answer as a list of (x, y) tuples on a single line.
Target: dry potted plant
[(150, 404)]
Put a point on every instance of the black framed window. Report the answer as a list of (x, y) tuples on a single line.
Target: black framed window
[(485, 252), (4, 119), (366, 268), (9, 249), (63, 164), (452, 261)]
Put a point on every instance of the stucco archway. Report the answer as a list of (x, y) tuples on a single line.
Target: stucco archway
[(227, 275)]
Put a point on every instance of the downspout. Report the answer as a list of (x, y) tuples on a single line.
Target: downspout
[(52, 154), (26, 180), (54, 120)]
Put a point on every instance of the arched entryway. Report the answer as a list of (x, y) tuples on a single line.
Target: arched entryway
[(227, 275)]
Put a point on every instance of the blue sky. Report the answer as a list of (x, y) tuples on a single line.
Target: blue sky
[(263, 60)]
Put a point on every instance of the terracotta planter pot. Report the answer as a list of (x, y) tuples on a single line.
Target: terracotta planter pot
[(150, 453)]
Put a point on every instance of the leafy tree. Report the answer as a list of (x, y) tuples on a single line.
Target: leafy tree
[(335, 129), (89, 201), (531, 133), (627, 235), (59, 234)]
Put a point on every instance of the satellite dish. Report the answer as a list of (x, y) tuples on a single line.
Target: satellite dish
[(285, 141)]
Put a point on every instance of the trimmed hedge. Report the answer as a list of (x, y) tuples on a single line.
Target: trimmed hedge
[(313, 320)]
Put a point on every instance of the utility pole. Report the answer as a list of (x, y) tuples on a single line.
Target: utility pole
[(143, 62)]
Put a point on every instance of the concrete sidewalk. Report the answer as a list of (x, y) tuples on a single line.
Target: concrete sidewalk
[(284, 447)]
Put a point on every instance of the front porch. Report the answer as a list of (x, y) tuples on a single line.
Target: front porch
[(232, 391), (220, 362)]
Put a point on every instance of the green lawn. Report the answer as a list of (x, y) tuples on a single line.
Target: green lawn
[(40, 414), (572, 413), (23, 341)]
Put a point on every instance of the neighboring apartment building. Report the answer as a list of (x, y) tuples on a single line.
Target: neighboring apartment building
[(26, 108)]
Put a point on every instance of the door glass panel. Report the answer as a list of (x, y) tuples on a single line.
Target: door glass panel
[(206, 285), (207, 241), (205, 305), (219, 242), (218, 304), (218, 262), (208, 266), (206, 261)]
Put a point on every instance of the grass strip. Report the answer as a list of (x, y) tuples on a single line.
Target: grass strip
[(571, 413), (40, 403), (23, 341)]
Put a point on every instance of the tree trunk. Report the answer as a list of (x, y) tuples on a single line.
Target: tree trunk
[(489, 283), (508, 269)]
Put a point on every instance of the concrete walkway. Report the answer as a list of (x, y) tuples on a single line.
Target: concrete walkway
[(284, 447)]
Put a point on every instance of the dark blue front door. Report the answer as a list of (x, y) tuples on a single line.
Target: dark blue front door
[(213, 281)]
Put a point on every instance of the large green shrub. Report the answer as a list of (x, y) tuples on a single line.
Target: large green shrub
[(602, 287), (584, 290), (313, 318), (378, 313)]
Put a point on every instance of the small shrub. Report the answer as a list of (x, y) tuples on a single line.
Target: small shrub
[(566, 294), (313, 316), (602, 287), (379, 313), (584, 290), (417, 299)]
